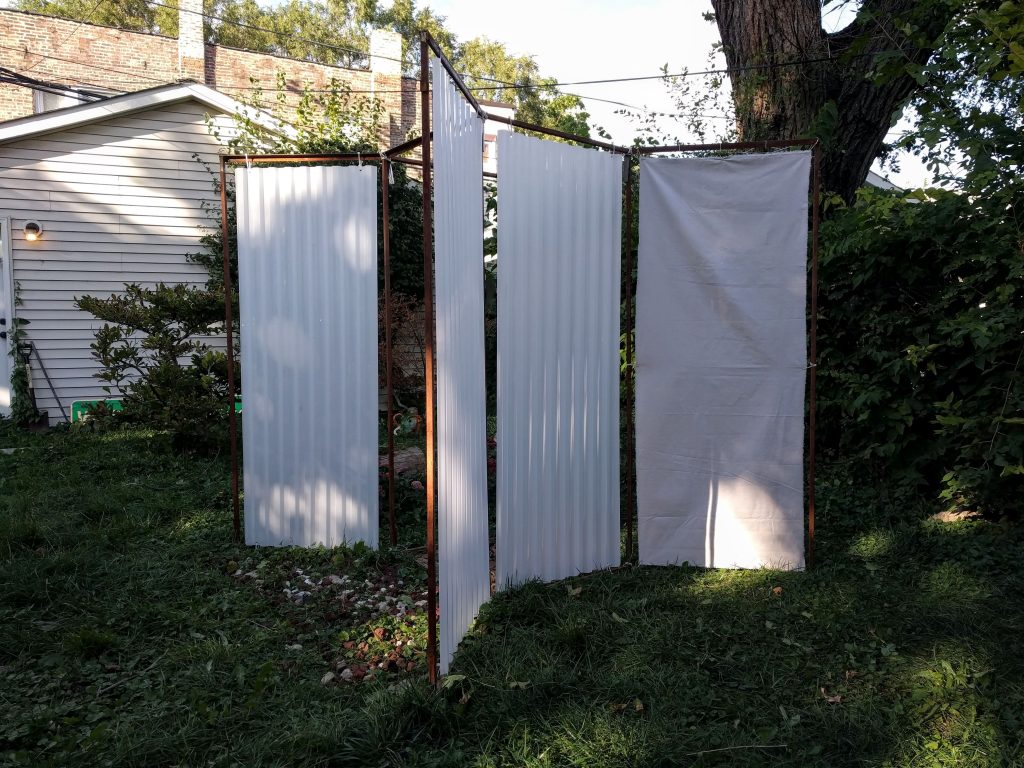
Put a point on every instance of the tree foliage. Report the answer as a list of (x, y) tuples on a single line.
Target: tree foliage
[(956, 62), (333, 32), (491, 69), (921, 317), (968, 109), (921, 341), (134, 15)]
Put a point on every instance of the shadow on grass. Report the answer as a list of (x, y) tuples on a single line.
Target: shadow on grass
[(124, 638), (901, 649)]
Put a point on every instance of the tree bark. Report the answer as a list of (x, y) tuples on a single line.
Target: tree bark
[(831, 92)]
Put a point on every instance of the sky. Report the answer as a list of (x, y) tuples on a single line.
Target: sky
[(602, 39), (594, 40)]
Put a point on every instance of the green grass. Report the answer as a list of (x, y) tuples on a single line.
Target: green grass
[(134, 633)]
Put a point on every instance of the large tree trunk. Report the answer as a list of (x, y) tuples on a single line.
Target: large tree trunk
[(832, 93)]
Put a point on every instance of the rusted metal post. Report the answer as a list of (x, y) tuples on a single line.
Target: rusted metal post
[(236, 515), (812, 371), (628, 374), (428, 354), (385, 168), (586, 140), (456, 77)]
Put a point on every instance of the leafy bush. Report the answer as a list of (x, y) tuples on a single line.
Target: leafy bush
[(921, 341), (146, 335), (23, 405)]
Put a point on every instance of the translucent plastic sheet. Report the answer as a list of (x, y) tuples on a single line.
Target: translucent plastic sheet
[(559, 244), (463, 548), (307, 270)]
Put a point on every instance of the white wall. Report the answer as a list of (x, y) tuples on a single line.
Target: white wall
[(120, 201)]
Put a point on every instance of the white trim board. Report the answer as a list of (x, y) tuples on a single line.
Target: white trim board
[(95, 111)]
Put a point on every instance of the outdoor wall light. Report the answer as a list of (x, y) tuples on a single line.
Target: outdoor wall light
[(33, 231)]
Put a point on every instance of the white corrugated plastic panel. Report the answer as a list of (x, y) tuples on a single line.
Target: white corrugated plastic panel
[(307, 269), (559, 225), (463, 551), (721, 360)]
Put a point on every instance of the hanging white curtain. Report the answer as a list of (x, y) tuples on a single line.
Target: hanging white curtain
[(307, 270), (559, 242), (464, 550), (721, 360)]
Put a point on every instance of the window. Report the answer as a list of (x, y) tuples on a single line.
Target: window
[(45, 101), (59, 97)]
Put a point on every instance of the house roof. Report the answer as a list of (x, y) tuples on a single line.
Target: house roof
[(91, 112), (879, 181)]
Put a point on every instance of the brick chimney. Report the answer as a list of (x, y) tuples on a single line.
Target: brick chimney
[(385, 52), (191, 45)]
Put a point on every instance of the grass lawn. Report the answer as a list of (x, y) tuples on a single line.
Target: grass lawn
[(134, 633)]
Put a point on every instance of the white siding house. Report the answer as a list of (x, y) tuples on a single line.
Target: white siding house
[(119, 194)]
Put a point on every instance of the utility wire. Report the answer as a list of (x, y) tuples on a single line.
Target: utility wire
[(499, 85), (20, 78), (73, 32), (83, 64), (502, 84)]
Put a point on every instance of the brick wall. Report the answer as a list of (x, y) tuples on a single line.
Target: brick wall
[(85, 55)]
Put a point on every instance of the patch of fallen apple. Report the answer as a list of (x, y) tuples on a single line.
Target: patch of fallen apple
[(383, 615)]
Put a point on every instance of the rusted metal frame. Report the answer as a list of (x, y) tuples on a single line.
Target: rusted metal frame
[(728, 146), (511, 121), (812, 370), (418, 164), (455, 76), (629, 378), (225, 160), (236, 515), (405, 146), (353, 157), (388, 356), (428, 355)]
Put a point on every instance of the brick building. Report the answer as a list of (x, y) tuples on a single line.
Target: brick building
[(98, 59)]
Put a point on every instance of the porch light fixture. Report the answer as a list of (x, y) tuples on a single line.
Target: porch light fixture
[(33, 231)]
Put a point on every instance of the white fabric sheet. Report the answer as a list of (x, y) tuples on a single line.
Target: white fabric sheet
[(721, 360), (559, 242), (464, 550), (307, 270)]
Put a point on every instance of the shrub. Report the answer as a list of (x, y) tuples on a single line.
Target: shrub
[(146, 335), (921, 341)]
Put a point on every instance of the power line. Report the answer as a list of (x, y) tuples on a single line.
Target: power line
[(82, 63), (680, 75), (504, 85), (500, 85), (72, 33), (41, 85), (12, 77)]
